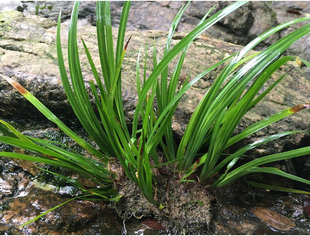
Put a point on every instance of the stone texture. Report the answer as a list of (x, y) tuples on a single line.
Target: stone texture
[(285, 11), (234, 213), (22, 199), (240, 27), (150, 15)]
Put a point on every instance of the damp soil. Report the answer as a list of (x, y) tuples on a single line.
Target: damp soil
[(188, 208)]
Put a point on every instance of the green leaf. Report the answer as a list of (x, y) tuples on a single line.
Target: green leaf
[(252, 166), (48, 211), (277, 188), (176, 50)]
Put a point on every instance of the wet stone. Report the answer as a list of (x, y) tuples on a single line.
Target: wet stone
[(307, 207), (272, 218), (76, 217), (5, 188), (245, 210), (22, 198)]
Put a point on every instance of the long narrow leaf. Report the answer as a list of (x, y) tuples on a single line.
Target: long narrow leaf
[(177, 49), (49, 115)]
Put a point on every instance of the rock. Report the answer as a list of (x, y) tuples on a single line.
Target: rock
[(153, 224), (283, 14), (10, 5), (159, 15), (274, 219), (307, 207), (240, 27), (28, 55), (76, 217), (263, 20), (51, 9), (248, 211), (226, 219)]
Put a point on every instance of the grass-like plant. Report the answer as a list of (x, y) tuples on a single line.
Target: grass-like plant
[(234, 92)]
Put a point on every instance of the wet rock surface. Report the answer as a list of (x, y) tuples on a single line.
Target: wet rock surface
[(26, 192), (77, 217), (235, 209), (244, 210)]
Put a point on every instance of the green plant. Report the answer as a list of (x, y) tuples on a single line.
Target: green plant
[(232, 95)]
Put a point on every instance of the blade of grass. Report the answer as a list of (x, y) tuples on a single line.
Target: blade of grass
[(176, 50), (213, 105), (277, 188), (265, 122), (252, 167), (167, 114), (48, 211), (235, 113), (49, 115), (215, 88), (233, 158)]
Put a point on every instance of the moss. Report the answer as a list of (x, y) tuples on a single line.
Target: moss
[(9, 16), (38, 7), (6, 20), (273, 16)]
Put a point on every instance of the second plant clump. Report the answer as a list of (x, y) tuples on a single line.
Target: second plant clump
[(234, 92)]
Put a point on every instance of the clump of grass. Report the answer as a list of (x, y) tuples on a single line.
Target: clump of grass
[(234, 92)]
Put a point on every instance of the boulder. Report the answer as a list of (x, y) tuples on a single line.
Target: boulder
[(22, 198), (239, 27)]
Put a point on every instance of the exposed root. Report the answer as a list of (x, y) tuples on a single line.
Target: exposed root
[(187, 206)]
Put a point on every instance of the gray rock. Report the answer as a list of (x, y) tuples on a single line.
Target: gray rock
[(9, 5), (51, 9), (240, 27), (285, 11)]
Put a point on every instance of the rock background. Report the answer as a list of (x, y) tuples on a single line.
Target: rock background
[(239, 27)]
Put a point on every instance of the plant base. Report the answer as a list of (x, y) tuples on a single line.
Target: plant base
[(186, 206)]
